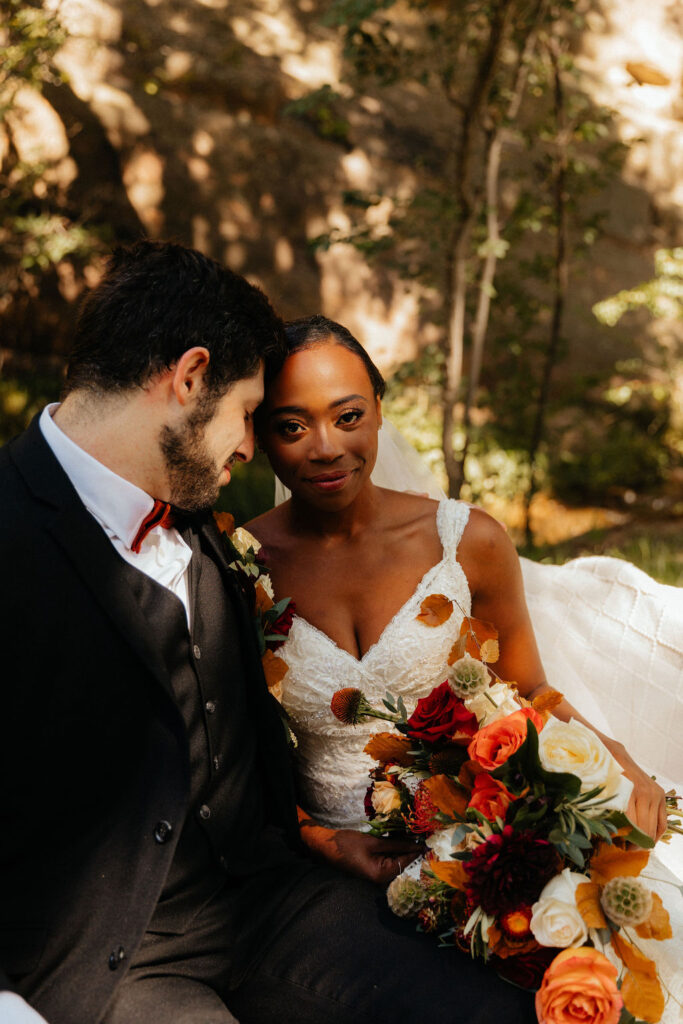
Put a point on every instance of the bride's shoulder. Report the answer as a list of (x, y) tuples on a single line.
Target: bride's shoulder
[(269, 528), (486, 546)]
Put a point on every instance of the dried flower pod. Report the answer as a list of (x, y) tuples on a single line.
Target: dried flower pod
[(468, 677), (345, 705), (626, 901), (406, 896)]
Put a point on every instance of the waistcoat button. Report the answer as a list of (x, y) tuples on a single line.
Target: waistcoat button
[(210, 707), (115, 958), (197, 651), (162, 832), (204, 812)]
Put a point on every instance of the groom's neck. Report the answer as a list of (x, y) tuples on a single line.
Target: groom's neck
[(120, 430)]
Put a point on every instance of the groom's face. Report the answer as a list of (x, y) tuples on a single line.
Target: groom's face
[(216, 433)]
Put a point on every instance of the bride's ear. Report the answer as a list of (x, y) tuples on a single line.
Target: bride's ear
[(378, 408)]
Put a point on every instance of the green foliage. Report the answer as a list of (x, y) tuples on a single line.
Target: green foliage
[(250, 492), (320, 109), (662, 296), (21, 398), (29, 39)]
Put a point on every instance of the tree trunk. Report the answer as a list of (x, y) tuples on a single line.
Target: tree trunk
[(560, 284), (468, 198)]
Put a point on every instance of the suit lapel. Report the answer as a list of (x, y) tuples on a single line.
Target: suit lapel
[(264, 708), (85, 543)]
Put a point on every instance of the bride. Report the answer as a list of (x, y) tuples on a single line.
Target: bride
[(358, 559)]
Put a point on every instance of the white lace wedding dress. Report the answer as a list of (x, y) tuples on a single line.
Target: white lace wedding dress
[(409, 659)]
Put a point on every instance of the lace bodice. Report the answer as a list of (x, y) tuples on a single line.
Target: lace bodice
[(408, 659)]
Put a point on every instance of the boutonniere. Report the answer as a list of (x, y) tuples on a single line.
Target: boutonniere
[(272, 619)]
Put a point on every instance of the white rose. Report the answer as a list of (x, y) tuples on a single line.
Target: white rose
[(243, 540), (441, 842), (502, 696), (385, 797), (572, 747), (555, 918)]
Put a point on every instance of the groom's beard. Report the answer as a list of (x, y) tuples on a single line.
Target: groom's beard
[(192, 472)]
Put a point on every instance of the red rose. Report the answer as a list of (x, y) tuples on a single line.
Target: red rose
[(281, 626), (526, 969), (441, 715)]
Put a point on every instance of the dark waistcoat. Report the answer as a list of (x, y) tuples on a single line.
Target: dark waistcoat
[(226, 816)]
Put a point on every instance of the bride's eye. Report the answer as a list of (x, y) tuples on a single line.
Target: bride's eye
[(350, 417), (289, 428)]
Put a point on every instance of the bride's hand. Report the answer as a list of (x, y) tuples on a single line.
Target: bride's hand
[(647, 806), (378, 860)]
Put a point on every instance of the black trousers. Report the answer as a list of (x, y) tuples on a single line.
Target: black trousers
[(344, 958)]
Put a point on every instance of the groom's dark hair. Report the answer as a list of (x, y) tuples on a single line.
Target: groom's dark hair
[(156, 301), (314, 330)]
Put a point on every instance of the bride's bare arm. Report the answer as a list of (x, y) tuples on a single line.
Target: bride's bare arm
[(377, 860), (491, 565)]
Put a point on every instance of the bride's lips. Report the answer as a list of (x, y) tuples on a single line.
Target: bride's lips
[(333, 481)]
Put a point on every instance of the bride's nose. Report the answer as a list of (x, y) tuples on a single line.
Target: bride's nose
[(325, 447)]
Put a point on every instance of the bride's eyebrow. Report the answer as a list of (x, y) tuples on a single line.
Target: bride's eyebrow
[(299, 410)]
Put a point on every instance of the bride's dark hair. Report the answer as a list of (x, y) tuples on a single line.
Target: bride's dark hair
[(312, 330)]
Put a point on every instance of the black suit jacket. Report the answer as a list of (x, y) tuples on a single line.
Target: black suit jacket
[(93, 750)]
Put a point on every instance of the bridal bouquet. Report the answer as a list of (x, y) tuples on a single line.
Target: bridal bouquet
[(522, 815), (272, 620)]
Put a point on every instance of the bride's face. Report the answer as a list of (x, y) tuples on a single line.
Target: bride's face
[(319, 425)]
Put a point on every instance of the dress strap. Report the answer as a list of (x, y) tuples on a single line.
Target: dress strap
[(451, 520)]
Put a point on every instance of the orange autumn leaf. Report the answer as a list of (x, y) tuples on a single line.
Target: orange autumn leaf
[(225, 522), (587, 898), (264, 601), (490, 651), (274, 669), (643, 996), (435, 610), (477, 633), (632, 958), (547, 701), (447, 796), (387, 746), (658, 924), (458, 650), (614, 862), (641, 991), (452, 872)]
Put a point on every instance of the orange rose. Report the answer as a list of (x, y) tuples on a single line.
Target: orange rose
[(490, 797), (495, 743), (580, 985)]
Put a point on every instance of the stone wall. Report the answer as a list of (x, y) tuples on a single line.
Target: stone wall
[(171, 121)]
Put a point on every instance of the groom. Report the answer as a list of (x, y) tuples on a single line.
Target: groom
[(150, 863)]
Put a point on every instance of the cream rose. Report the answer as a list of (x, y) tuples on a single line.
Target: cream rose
[(385, 797), (441, 842), (572, 747), (243, 540), (555, 918), (501, 695)]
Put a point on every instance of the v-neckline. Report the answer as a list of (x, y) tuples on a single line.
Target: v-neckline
[(432, 569)]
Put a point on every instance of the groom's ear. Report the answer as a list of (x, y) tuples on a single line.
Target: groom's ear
[(188, 375)]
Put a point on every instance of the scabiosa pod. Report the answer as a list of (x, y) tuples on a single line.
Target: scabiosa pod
[(468, 677), (406, 896), (626, 901)]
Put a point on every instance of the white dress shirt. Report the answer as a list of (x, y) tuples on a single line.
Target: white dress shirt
[(120, 507)]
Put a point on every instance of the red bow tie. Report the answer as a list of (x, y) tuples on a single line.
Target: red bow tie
[(161, 515)]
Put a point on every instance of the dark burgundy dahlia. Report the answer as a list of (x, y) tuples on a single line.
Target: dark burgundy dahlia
[(509, 870)]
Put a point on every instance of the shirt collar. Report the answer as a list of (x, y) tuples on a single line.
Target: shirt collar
[(116, 503)]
